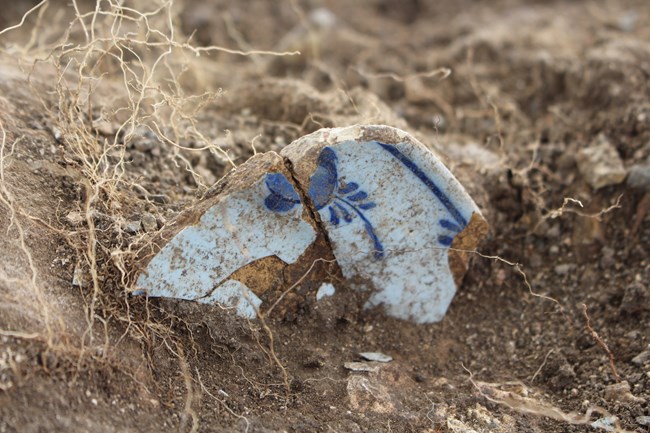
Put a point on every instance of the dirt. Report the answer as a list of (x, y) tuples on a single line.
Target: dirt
[(104, 137)]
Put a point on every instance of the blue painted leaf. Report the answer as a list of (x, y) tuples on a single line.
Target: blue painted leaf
[(282, 195), (378, 252), (347, 216), (277, 203), (445, 240), (334, 217), (278, 184), (450, 226), (348, 187), (368, 205), (361, 195), (323, 182)]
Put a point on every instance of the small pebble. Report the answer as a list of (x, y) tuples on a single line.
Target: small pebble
[(564, 268), (75, 218), (323, 18), (600, 164), (58, 135), (149, 223), (325, 290), (607, 257), (607, 423), (628, 20), (132, 227), (634, 378), (361, 366), (79, 277), (635, 299), (553, 232), (145, 145), (639, 177), (159, 198), (641, 358), (621, 392), (375, 356)]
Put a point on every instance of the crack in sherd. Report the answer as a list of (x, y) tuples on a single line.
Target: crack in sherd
[(314, 216), (269, 277)]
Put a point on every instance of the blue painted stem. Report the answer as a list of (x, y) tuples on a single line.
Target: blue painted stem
[(379, 248), (440, 195)]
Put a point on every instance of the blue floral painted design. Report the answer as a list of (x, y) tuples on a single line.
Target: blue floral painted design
[(345, 200), (342, 200)]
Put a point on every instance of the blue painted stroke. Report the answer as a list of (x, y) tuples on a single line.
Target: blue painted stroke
[(342, 201), (283, 197), (378, 251), (440, 195), (359, 196), (323, 182), (347, 216), (324, 190), (450, 226), (334, 217)]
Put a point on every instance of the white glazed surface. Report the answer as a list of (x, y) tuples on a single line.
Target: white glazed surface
[(234, 294), (233, 233)]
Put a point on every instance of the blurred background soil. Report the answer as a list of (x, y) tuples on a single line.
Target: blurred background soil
[(115, 116)]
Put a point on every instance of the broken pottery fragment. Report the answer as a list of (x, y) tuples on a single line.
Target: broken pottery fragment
[(211, 247), (391, 211), (369, 203)]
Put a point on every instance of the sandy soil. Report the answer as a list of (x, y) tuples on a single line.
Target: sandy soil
[(116, 118)]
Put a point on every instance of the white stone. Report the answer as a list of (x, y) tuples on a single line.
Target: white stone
[(325, 290), (600, 163), (361, 366), (607, 423), (375, 356), (643, 420)]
